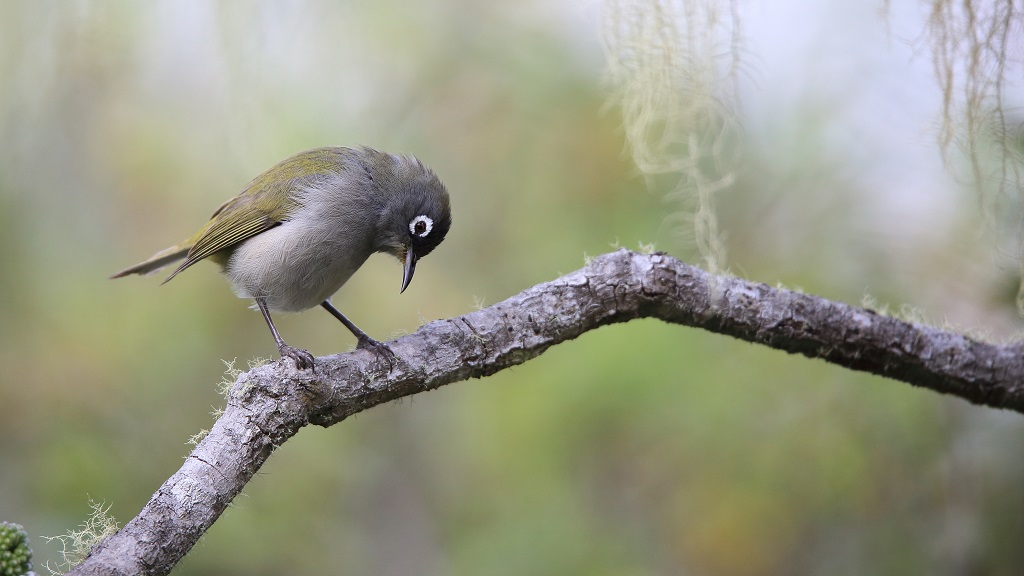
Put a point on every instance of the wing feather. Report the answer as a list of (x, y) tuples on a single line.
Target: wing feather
[(250, 213)]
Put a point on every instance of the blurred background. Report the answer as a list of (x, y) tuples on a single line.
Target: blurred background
[(637, 449)]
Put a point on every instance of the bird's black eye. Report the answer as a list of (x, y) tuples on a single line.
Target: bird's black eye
[(420, 226)]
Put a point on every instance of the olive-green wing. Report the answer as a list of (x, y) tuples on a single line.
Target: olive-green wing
[(266, 202), (227, 228)]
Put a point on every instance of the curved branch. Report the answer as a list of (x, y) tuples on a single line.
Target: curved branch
[(270, 404)]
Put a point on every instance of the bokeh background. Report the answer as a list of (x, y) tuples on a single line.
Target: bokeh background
[(637, 449)]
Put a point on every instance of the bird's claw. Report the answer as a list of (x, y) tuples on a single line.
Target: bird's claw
[(379, 348), (303, 359)]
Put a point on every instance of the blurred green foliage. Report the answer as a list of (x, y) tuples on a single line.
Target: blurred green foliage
[(637, 449)]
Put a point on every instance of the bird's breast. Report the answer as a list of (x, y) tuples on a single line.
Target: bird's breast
[(299, 263)]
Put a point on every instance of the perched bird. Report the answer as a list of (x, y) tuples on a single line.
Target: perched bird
[(298, 232)]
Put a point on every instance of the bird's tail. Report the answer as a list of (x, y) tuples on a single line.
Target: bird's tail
[(156, 261)]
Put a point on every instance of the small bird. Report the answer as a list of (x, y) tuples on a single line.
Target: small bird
[(298, 231)]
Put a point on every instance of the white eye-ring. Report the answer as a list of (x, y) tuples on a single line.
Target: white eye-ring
[(421, 226)]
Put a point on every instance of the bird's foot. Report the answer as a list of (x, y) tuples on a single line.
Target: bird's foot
[(303, 359), (379, 348)]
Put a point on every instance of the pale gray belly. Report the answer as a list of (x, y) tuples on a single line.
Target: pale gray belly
[(293, 272)]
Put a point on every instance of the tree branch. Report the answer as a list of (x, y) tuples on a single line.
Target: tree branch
[(268, 405)]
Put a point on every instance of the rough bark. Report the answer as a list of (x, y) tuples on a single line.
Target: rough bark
[(268, 405)]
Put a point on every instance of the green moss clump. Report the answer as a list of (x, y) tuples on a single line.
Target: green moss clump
[(15, 555)]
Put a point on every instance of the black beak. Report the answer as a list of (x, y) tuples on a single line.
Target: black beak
[(410, 267)]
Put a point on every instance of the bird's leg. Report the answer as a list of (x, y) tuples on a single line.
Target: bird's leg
[(365, 341), (303, 359)]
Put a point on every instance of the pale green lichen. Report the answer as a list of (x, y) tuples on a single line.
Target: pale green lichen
[(672, 66), (196, 438), (76, 544)]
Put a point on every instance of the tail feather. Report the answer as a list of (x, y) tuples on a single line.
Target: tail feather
[(155, 262)]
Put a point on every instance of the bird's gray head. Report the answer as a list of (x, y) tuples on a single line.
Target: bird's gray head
[(416, 214)]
